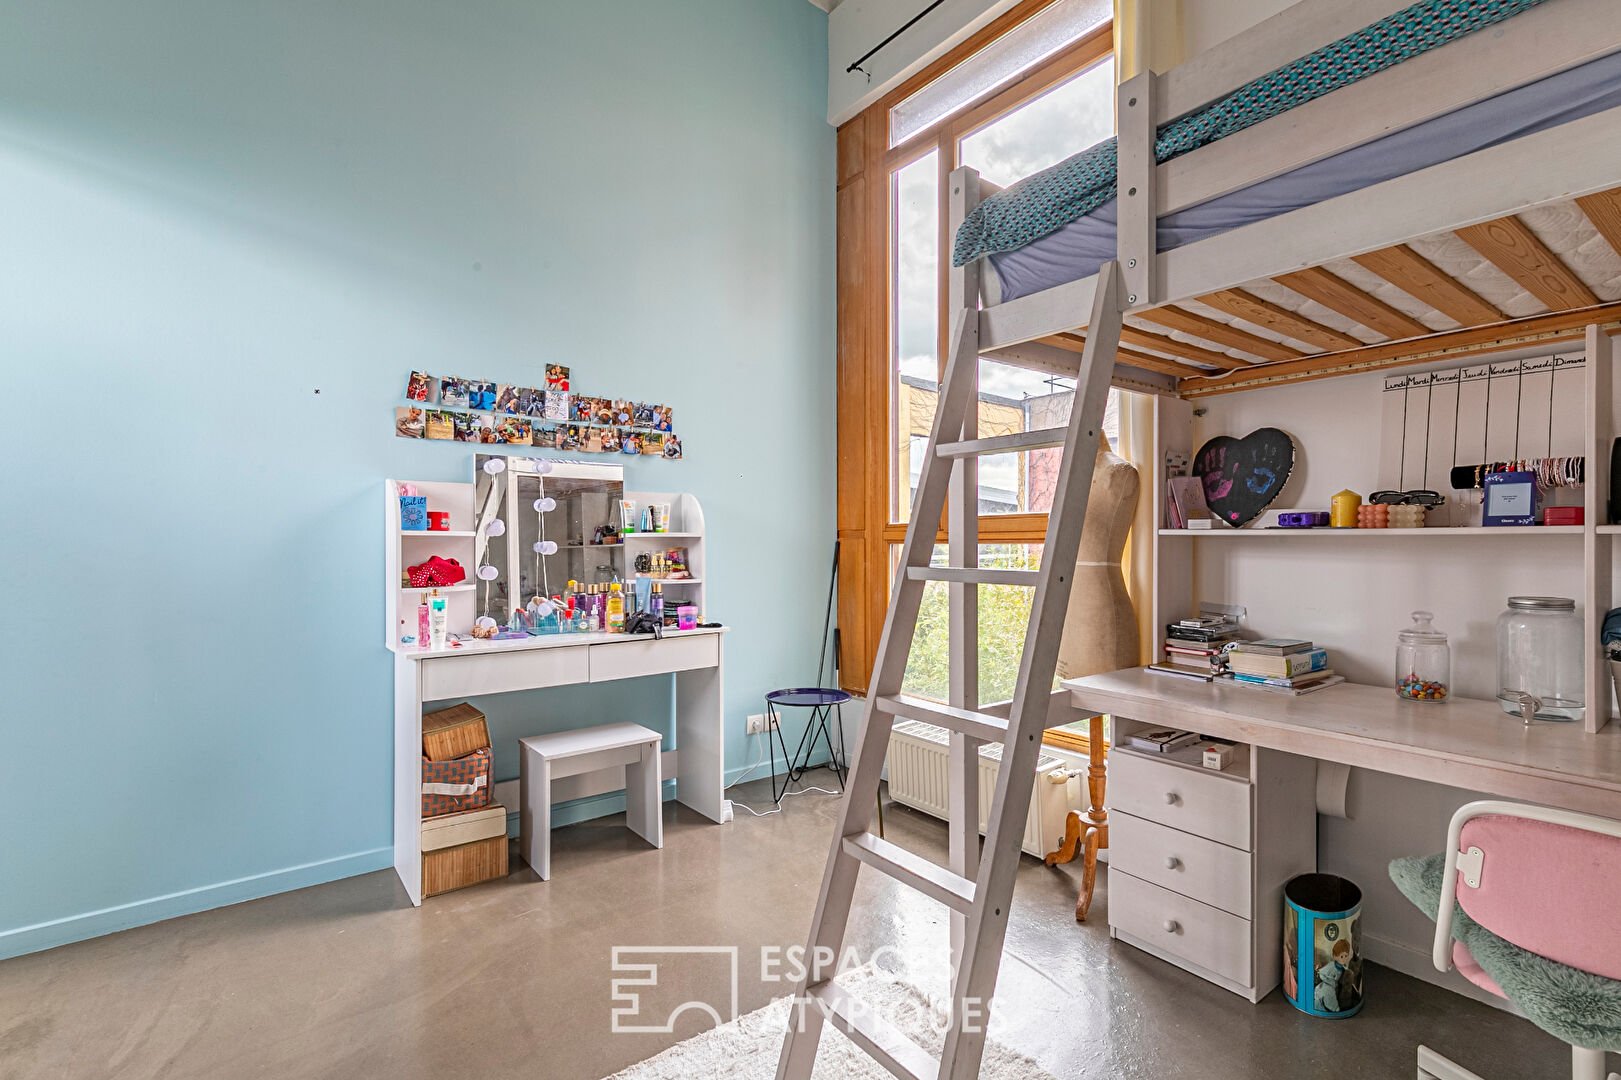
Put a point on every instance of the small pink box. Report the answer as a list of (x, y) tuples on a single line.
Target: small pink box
[(686, 617)]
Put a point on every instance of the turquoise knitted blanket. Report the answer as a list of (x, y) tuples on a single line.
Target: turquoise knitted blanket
[(1050, 199), (1577, 1006)]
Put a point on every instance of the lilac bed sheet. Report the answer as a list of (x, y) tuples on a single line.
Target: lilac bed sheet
[(1078, 249)]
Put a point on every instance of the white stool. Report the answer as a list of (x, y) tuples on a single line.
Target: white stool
[(544, 758)]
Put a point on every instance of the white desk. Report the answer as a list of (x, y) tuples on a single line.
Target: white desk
[(1198, 859), (499, 667), (1465, 743)]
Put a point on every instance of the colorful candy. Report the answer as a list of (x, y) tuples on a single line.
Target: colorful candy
[(1421, 689)]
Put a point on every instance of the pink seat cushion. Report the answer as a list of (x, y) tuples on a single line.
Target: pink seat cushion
[(1464, 961), (1550, 889)]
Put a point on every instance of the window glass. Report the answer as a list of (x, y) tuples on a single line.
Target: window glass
[(1015, 52), (915, 313), (1004, 612), (1072, 116)]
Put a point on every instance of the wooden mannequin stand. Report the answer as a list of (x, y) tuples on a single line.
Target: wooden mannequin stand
[(1090, 835)]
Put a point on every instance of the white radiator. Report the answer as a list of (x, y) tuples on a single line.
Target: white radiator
[(918, 756)]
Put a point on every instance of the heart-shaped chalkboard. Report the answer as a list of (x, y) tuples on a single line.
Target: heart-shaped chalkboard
[(1242, 477)]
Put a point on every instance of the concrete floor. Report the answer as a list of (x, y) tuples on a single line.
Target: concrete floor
[(511, 978)]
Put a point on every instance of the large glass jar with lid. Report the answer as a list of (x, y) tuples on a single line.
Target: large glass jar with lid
[(1540, 658), (1423, 661)]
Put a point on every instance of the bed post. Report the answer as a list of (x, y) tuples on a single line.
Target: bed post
[(1136, 240), (962, 539)]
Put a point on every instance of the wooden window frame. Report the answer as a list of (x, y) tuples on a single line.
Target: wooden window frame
[(865, 163)]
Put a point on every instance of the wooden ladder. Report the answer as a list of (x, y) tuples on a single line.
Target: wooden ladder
[(978, 891)]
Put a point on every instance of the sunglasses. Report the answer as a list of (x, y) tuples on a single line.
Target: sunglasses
[(1421, 497)]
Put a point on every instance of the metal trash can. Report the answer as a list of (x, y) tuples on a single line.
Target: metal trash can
[(1322, 949)]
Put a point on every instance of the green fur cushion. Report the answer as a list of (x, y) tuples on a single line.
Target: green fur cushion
[(1579, 1007)]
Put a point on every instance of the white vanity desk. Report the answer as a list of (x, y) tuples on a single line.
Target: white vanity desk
[(499, 667)]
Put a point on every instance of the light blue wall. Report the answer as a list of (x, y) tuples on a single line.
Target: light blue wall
[(211, 210)]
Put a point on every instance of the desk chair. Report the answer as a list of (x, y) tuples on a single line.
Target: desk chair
[(1535, 920)]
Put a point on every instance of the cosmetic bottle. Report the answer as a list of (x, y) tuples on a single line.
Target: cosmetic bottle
[(437, 619), (600, 608), (655, 603), (422, 623), (616, 610)]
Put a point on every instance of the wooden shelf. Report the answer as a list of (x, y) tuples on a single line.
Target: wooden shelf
[(465, 587), (661, 536), (1497, 532), (669, 581), (439, 534)]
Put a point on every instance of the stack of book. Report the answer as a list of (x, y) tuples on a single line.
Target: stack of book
[(1281, 665), (1193, 647)]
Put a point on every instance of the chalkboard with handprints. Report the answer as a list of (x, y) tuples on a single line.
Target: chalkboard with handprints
[(1242, 477)]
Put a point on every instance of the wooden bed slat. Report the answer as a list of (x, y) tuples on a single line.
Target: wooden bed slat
[(1172, 347), (1076, 343), (1337, 294), (1604, 211), (1279, 320), (1448, 344), (1220, 333), (1421, 279), (1514, 249)]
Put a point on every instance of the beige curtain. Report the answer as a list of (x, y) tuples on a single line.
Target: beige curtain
[(1147, 33), (1137, 446)]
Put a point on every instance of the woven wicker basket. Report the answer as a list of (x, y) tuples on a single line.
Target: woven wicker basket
[(454, 732), (463, 865)]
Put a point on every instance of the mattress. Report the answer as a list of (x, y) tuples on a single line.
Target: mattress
[(1079, 248)]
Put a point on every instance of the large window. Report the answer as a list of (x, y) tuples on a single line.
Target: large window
[(1031, 89)]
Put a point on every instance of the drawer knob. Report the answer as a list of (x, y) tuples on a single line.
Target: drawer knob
[(1172, 798), (1172, 862), (1172, 926)]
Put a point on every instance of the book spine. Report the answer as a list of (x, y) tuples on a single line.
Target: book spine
[(1280, 667)]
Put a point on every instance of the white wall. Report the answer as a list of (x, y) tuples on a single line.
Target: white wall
[(855, 26)]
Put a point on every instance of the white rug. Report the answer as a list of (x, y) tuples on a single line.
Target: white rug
[(748, 1047)]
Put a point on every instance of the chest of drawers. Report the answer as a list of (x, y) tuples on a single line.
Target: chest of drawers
[(1198, 859)]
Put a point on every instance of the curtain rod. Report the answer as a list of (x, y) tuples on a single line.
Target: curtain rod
[(869, 53)]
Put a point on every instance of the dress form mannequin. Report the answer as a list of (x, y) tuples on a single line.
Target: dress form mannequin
[(1100, 634), (1100, 626)]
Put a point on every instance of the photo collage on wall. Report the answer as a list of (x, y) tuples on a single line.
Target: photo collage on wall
[(454, 409)]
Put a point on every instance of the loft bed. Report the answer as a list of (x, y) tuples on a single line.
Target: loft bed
[(1099, 312), (1463, 200)]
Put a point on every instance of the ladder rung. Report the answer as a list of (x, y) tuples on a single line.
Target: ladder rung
[(1039, 439), (975, 575), (982, 726), (883, 1041), (909, 868)]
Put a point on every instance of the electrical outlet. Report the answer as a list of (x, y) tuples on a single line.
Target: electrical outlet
[(756, 724)]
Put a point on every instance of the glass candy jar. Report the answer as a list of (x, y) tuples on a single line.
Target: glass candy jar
[(1539, 658), (1423, 661)]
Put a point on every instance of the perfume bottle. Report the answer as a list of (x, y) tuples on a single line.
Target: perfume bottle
[(423, 623)]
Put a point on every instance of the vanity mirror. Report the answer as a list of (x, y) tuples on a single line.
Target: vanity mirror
[(547, 520)]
